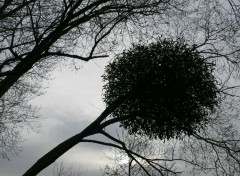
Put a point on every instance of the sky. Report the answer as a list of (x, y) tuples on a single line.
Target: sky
[(72, 100)]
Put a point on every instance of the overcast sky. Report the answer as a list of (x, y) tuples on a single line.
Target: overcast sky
[(72, 100)]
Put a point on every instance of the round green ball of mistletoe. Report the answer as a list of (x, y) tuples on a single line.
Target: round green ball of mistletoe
[(172, 87)]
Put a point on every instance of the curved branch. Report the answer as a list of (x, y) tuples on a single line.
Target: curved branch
[(59, 53)]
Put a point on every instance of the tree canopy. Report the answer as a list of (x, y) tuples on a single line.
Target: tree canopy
[(173, 86), (37, 35)]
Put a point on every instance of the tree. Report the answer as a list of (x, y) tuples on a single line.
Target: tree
[(123, 164), (176, 91), (201, 149), (60, 170), (36, 35), (184, 59), (15, 114), (33, 32), (215, 151), (52, 30)]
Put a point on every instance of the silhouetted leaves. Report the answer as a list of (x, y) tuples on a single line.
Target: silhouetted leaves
[(173, 86)]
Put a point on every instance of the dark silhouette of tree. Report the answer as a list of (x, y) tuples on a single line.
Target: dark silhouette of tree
[(15, 114), (36, 35), (176, 90), (213, 151), (160, 65), (213, 147), (34, 31), (123, 165)]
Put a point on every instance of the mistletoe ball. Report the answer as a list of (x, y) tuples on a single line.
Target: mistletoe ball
[(172, 86)]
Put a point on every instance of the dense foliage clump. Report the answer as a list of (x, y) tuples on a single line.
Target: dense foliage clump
[(172, 89)]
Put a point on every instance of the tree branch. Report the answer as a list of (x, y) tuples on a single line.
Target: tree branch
[(59, 53)]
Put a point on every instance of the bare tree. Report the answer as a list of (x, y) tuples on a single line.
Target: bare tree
[(213, 151), (60, 170), (123, 164), (15, 115), (40, 30), (227, 145), (35, 34)]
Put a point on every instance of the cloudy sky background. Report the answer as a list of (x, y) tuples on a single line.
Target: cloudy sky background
[(72, 100)]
